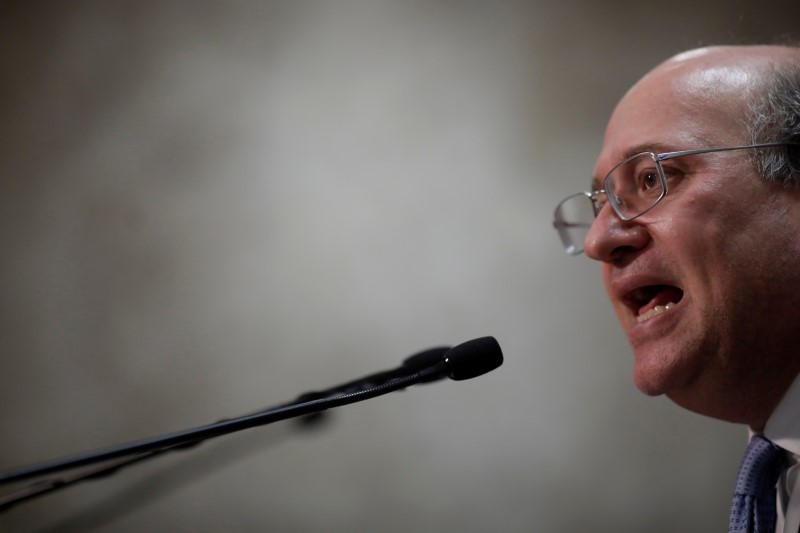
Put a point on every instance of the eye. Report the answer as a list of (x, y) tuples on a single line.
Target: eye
[(648, 180)]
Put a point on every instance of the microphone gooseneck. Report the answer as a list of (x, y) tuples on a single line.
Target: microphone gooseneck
[(465, 361)]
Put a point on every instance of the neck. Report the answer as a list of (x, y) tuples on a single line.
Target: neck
[(752, 404)]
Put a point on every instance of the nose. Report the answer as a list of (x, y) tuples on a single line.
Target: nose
[(611, 239)]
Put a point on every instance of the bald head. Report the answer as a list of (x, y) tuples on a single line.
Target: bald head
[(727, 69)]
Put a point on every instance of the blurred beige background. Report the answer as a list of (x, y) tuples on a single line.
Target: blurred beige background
[(211, 207)]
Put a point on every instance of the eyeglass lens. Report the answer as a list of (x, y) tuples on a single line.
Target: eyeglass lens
[(573, 218), (632, 187), (635, 185)]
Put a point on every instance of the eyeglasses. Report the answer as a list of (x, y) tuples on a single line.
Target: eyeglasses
[(632, 188)]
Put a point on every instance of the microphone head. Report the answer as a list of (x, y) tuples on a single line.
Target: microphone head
[(473, 358)]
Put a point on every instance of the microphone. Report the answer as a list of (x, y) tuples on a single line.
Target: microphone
[(465, 361), (470, 359)]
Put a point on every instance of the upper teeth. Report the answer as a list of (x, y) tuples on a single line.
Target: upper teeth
[(655, 311)]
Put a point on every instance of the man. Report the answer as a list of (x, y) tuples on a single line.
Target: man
[(696, 195)]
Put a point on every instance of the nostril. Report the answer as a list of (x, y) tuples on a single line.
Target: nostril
[(613, 240), (626, 240)]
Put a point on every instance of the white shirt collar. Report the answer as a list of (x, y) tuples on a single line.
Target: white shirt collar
[(783, 426)]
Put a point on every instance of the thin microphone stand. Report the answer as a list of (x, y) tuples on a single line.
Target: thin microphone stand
[(137, 451)]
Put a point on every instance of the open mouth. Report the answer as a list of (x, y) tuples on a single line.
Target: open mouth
[(651, 300)]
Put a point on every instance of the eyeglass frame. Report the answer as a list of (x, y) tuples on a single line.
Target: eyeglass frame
[(657, 159)]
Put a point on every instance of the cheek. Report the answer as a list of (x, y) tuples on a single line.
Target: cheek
[(708, 220), (752, 227), (690, 233), (735, 240), (695, 241)]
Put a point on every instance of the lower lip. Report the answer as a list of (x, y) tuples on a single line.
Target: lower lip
[(655, 311), (655, 325)]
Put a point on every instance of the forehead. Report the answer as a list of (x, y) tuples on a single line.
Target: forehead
[(678, 106)]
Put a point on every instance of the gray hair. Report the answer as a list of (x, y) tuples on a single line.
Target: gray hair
[(774, 116)]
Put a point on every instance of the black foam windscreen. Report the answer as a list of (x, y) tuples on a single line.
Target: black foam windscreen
[(474, 358)]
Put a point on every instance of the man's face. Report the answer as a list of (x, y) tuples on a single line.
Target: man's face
[(721, 246)]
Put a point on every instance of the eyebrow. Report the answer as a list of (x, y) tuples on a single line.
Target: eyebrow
[(631, 151), (645, 147)]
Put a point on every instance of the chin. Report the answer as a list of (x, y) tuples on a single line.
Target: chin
[(655, 374), (649, 386)]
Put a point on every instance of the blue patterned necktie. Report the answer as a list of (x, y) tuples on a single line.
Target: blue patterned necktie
[(753, 507)]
